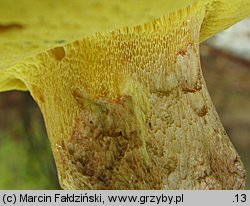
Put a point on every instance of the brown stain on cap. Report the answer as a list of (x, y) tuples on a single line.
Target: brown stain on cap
[(8, 27), (58, 53)]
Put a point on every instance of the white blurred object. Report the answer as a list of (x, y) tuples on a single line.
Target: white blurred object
[(235, 40)]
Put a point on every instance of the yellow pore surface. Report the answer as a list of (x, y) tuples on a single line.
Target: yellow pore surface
[(28, 27)]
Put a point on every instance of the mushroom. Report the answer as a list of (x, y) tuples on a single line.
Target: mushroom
[(121, 89)]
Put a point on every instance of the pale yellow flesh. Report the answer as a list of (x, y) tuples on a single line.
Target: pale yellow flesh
[(141, 72)]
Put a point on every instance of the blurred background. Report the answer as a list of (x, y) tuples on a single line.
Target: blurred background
[(26, 160)]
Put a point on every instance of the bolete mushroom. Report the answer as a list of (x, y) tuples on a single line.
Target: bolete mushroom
[(121, 90)]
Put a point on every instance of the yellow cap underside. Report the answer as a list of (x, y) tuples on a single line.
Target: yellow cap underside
[(28, 27)]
